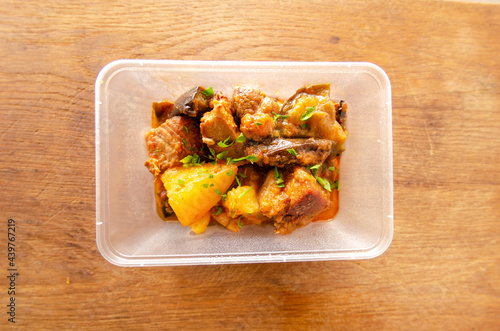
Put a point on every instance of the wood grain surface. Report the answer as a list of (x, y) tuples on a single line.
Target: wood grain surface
[(442, 270)]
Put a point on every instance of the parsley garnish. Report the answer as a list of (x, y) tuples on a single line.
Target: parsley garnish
[(279, 178), (315, 168), (185, 143), (292, 151), (205, 185), (186, 129), (219, 193), (222, 156), (237, 181), (308, 113), (243, 194), (230, 172), (279, 117), (331, 168), (336, 185), (224, 143), (258, 123), (239, 223), (251, 158), (325, 183), (242, 175), (219, 211), (208, 92), (180, 182), (191, 160), (305, 126), (241, 138)]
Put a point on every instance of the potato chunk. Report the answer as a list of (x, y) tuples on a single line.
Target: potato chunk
[(193, 191), (241, 200), (201, 225)]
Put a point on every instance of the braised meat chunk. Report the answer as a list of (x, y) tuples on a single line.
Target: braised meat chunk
[(282, 152), (169, 143), (292, 198)]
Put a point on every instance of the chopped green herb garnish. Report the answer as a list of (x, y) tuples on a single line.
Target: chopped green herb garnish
[(241, 138), (292, 151), (222, 156), (308, 113), (212, 185), (186, 129), (210, 176), (336, 185), (305, 126), (230, 172), (180, 182), (239, 223), (279, 117), (315, 168), (185, 143), (157, 151), (224, 143), (224, 196), (325, 183), (251, 158), (208, 92), (243, 194), (191, 160), (205, 185), (242, 175), (219, 211), (237, 181), (219, 193), (331, 168), (279, 178), (258, 123), (229, 161)]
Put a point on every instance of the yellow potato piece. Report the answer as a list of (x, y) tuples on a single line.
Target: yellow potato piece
[(241, 200), (201, 225), (193, 191)]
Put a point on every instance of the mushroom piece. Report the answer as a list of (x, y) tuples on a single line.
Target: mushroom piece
[(193, 103)]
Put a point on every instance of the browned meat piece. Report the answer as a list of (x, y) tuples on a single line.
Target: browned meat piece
[(193, 103), (281, 152), (218, 125), (272, 199), (296, 203), (341, 113), (169, 143), (246, 100)]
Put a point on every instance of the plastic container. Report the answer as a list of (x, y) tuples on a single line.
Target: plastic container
[(130, 233)]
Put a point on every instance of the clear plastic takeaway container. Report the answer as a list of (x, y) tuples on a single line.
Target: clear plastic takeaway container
[(130, 233)]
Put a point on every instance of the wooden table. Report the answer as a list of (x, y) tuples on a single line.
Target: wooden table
[(442, 270)]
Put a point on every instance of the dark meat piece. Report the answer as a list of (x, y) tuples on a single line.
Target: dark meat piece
[(295, 204), (192, 103), (169, 143), (161, 112), (281, 152), (341, 114), (218, 125)]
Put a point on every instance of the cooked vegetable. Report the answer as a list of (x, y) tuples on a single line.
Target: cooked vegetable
[(193, 200), (193, 103), (241, 200), (201, 225)]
